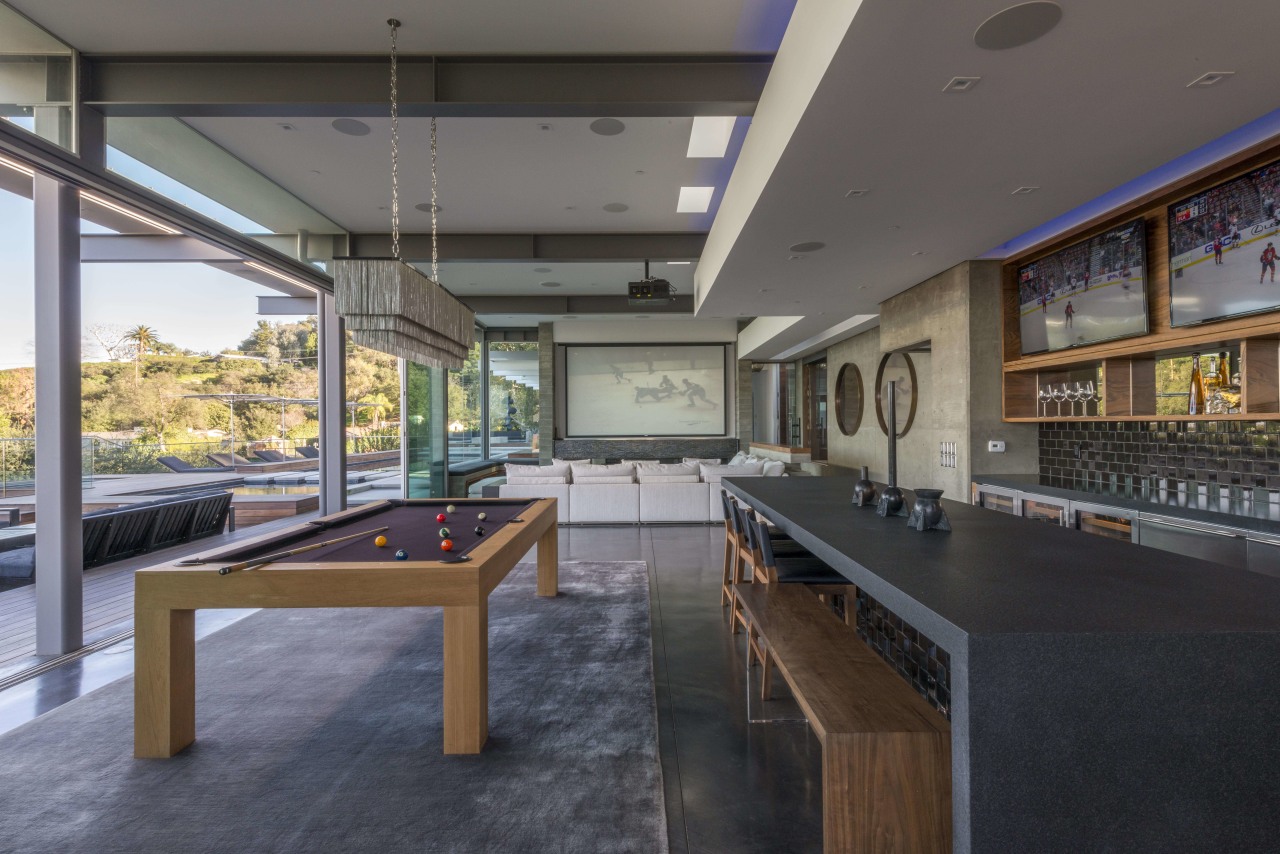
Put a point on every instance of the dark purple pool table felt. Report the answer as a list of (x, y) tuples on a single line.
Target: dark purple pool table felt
[(413, 527)]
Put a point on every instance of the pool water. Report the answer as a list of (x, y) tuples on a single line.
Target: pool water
[(276, 490)]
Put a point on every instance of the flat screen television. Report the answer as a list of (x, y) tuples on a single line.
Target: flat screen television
[(1223, 245), (645, 390), (1091, 291)]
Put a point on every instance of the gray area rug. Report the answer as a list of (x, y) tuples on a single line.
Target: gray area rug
[(320, 730)]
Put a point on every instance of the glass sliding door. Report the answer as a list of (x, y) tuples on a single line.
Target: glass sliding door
[(424, 429)]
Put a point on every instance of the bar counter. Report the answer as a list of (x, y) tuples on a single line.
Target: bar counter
[(1103, 696)]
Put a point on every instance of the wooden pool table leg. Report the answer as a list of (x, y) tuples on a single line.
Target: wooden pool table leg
[(164, 689), (466, 677), (549, 562)]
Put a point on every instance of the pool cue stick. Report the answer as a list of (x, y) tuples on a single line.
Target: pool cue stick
[(261, 561)]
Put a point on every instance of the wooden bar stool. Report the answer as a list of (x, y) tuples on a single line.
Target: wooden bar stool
[(770, 567)]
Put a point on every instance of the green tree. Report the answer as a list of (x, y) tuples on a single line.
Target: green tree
[(144, 341)]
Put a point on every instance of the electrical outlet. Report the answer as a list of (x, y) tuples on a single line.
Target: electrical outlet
[(995, 446), (947, 454)]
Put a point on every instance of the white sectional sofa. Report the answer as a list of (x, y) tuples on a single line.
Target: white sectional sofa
[(634, 492)]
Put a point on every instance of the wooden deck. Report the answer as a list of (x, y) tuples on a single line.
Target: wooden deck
[(108, 598)]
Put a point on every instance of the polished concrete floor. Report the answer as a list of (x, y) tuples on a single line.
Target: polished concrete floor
[(731, 786)]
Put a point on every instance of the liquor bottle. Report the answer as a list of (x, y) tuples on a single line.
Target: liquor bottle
[(1196, 397)]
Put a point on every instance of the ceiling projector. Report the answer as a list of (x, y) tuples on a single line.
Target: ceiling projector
[(650, 292)]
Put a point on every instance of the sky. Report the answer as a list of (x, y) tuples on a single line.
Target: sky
[(192, 305)]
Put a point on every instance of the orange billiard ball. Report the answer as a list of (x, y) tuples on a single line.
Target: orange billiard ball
[(440, 517), (446, 545), (380, 542)]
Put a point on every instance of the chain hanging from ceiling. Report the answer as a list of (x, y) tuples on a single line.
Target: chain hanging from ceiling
[(390, 305)]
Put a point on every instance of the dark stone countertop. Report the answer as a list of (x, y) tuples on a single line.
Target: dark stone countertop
[(1259, 517), (998, 574)]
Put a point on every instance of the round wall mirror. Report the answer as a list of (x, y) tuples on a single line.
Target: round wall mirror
[(899, 368), (849, 399)]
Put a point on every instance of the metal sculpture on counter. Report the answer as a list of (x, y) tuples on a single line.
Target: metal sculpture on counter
[(927, 513), (892, 502), (864, 491)]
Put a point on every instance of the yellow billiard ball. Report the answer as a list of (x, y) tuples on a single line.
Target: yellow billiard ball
[(380, 542)]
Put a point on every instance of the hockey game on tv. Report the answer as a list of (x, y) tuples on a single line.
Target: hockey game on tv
[(1222, 249), (1090, 291)]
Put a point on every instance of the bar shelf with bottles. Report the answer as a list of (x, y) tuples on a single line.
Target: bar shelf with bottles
[(1125, 388)]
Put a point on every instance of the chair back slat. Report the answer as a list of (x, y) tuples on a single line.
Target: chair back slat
[(764, 544)]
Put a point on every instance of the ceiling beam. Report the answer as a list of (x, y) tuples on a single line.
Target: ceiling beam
[(501, 86), (677, 246), (149, 249), (611, 304)]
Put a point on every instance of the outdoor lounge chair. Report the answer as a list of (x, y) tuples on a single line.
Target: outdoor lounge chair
[(270, 456), (311, 452), (228, 460), (182, 466)]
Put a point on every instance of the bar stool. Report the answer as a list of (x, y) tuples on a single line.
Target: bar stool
[(737, 555), (770, 567)]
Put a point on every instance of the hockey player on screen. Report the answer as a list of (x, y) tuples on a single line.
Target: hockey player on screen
[(1217, 250), (1268, 262), (1070, 312)]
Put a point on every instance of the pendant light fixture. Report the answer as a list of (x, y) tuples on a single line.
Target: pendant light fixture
[(391, 306)]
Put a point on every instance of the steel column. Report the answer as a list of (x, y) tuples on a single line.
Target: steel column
[(332, 353)]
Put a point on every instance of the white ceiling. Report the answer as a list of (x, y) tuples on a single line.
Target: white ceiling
[(495, 174), (1096, 102), (477, 26), (608, 278)]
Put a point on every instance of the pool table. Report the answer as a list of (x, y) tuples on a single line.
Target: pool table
[(355, 573)]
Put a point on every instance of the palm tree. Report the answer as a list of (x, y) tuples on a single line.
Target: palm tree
[(378, 406), (144, 339)]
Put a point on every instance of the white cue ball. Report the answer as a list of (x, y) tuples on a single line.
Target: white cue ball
[(483, 516), (450, 509)]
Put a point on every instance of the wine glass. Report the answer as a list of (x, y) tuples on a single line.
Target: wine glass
[(1059, 395), (1073, 395), (1044, 395), (1090, 394)]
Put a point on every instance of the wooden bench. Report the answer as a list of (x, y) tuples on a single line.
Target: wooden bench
[(886, 753)]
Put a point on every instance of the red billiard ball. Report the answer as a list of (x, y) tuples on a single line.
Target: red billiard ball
[(446, 545), (440, 517)]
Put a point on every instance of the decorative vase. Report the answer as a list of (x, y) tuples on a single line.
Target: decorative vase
[(927, 513), (892, 503), (864, 491)]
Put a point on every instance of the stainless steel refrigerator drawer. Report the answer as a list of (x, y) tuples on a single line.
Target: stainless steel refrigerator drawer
[(1214, 544)]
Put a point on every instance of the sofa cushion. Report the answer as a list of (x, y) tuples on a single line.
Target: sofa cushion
[(583, 472), (667, 468), (773, 468), (640, 462), (711, 461), (558, 468), (713, 474), (515, 479), (668, 478), (608, 479), (738, 459)]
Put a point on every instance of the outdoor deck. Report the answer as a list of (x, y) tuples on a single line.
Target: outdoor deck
[(108, 598)]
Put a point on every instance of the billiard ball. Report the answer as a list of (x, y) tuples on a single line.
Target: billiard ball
[(446, 545), (444, 532), (450, 508), (483, 516), (380, 542), (440, 517), (479, 531), (402, 555)]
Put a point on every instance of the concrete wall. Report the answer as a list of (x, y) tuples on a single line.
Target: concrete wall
[(954, 318)]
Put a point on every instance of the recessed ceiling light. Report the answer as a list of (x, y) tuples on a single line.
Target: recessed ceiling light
[(1211, 78), (133, 215), (351, 127), (550, 284), (1017, 25), (316, 172), (542, 269), (607, 127), (425, 207), (795, 257), (286, 126), (694, 199), (616, 207), (856, 194), (710, 136), (810, 246), (1022, 191), (639, 171), (961, 84), (571, 207), (545, 126), (677, 263), (919, 252)]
